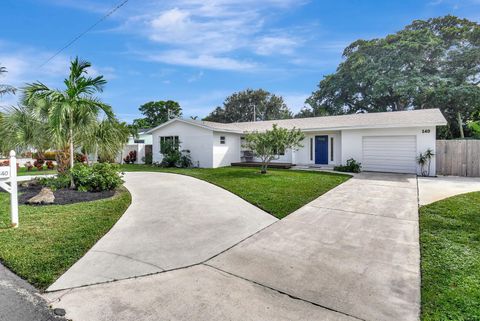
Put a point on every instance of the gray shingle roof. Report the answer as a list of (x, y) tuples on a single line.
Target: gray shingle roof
[(413, 118)]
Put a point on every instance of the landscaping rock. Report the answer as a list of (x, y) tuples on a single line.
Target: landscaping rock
[(44, 197)]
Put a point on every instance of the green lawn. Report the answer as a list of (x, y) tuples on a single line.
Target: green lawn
[(450, 248), (279, 192), (22, 171), (51, 238)]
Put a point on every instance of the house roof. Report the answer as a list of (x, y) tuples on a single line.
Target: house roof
[(411, 118)]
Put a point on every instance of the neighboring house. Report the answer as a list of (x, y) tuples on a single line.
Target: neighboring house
[(142, 144), (385, 142)]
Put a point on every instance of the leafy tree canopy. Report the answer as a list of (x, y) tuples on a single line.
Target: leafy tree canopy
[(241, 107), (267, 145), (429, 64), (157, 112)]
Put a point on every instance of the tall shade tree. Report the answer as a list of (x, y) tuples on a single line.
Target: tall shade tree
[(71, 110), (429, 64), (250, 105), (157, 112), (4, 88), (270, 144)]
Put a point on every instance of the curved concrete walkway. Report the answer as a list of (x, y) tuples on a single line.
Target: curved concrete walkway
[(174, 221), (432, 189)]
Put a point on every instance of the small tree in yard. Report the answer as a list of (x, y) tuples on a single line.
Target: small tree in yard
[(267, 145)]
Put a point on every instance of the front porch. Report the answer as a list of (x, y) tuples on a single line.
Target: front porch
[(258, 164)]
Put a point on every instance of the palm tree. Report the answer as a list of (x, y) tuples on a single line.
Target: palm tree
[(105, 139), (5, 89), (70, 111), (22, 128)]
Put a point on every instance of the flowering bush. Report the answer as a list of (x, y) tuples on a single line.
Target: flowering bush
[(28, 166), (50, 164), (131, 158), (7, 163), (38, 163)]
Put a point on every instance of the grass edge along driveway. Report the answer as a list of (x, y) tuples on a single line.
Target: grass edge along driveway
[(279, 192), (450, 251), (52, 238)]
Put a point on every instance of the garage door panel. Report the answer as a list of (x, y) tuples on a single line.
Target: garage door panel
[(389, 153)]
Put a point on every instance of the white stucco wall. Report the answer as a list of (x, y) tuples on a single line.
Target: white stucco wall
[(302, 156), (225, 154), (196, 139), (146, 137), (352, 141)]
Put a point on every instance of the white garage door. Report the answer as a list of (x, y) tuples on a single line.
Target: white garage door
[(390, 154)]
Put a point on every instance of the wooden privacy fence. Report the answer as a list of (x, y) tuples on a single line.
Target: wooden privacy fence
[(458, 157)]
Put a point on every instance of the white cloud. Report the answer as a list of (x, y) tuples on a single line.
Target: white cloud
[(276, 45), (213, 33), (185, 58)]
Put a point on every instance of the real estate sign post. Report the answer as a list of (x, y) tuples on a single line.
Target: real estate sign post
[(9, 174)]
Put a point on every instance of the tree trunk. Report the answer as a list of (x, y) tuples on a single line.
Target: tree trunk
[(264, 169), (95, 155), (72, 156), (460, 125)]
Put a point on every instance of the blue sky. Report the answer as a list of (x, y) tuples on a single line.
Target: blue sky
[(198, 52)]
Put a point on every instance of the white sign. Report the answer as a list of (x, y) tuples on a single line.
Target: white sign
[(9, 175), (4, 172)]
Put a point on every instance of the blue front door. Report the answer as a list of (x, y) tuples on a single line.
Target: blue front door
[(321, 149)]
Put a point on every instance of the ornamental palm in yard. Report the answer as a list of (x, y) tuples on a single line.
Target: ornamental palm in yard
[(105, 139), (5, 89), (73, 111)]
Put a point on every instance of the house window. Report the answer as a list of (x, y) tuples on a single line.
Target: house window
[(139, 141), (280, 152), (331, 149), (222, 140), (311, 149), (164, 139)]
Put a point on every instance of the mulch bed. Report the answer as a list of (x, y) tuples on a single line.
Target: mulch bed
[(62, 196)]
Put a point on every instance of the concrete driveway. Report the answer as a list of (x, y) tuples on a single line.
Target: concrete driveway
[(432, 189), (352, 254), (174, 221), (354, 250)]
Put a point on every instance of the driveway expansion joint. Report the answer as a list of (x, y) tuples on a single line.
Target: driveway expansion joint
[(159, 272), (361, 213), (282, 292)]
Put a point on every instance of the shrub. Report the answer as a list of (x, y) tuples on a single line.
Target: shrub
[(352, 166), (185, 159), (80, 158), (147, 159), (54, 183), (170, 152), (51, 156), (96, 178), (50, 164), (28, 166), (131, 158), (38, 163), (7, 163)]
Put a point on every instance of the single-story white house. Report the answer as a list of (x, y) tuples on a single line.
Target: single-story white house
[(384, 142)]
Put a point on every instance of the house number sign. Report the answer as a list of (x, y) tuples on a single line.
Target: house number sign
[(8, 174)]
